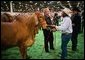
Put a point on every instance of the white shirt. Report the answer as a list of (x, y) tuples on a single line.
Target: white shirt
[(66, 25)]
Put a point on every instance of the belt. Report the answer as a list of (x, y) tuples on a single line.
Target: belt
[(66, 33)]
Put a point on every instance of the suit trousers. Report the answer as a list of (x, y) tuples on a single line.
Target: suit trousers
[(48, 39)]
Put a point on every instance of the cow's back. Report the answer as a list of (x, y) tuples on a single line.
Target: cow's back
[(8, 34)]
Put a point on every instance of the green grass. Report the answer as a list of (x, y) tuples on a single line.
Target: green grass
[(37, 50)]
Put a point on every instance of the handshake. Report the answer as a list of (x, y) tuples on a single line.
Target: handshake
[(51, 28)]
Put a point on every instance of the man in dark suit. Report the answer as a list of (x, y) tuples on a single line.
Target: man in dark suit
[(76, 24), (48, 35)]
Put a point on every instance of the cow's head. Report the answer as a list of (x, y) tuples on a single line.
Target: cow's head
[(33, 21), (41, 20)]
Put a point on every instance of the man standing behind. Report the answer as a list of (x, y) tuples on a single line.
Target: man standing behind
[(76, 24)]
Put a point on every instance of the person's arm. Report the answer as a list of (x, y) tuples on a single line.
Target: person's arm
[(64, 25)]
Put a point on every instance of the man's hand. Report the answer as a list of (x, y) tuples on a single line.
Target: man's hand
[(53, 26), (53, 29)]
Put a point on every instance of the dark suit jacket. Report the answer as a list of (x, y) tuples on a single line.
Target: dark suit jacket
[(76, 20), (48, 20), (47, 32)]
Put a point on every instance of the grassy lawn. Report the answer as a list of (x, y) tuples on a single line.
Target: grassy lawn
[(37, 50)]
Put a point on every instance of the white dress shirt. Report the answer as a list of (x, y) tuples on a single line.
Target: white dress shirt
[(66, 25)]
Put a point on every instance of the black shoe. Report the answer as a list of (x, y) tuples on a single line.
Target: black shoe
[(74, 48), (47, 51), (63, 57), (52, 48)]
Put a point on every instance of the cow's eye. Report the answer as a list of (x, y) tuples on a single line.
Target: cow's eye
[(40, 17)]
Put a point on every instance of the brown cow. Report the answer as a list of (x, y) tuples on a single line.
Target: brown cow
[(21, 31)]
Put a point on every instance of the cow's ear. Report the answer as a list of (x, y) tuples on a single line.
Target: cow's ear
[(37, 13)]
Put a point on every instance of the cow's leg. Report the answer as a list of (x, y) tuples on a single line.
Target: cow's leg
[(23, 51)]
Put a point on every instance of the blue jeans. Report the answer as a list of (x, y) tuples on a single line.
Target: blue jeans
[(65, 39)]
